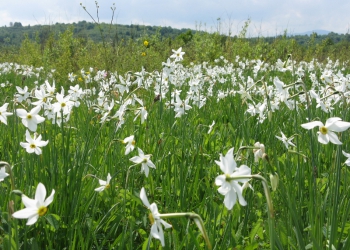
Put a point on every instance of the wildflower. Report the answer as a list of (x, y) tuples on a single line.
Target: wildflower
[(130, 144), (71, 77), (282, 91), (104, 184), (143, 54), (144, 160), (347, 162), (30, 119), (51, 89), (141, 111), (33, 144), (75, 91), (211, 127), (4, 113), (145, 43), (168, 64), (42, 97), (154, 216), (3, 173), (274, 181), (286, 141), (177, 54), (228, 187), (259, 151), (63, 103), (35, 208), (326, 132), (22, 94), (180, 106), (105, 116)]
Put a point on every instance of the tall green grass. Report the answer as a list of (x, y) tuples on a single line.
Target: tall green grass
[(311, 201)]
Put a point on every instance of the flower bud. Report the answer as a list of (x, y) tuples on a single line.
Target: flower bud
[(274, 181), (265, 157)]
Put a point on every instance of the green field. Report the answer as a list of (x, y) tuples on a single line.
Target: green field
[(142, 146)]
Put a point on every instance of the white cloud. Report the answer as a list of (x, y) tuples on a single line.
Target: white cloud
[(268, 17)]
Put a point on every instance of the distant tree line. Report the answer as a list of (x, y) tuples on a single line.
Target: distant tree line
[(71, 47), (15, 33)]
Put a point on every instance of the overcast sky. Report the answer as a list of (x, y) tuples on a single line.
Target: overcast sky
[(268, 17)]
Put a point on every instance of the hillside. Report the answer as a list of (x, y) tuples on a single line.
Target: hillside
[(14, 35)]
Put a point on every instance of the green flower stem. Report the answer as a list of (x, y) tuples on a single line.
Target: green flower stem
[(298, 153), (196, 218), (127, 174), (273, 238)]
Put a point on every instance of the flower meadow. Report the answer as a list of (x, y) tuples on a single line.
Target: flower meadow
[(239, 154)]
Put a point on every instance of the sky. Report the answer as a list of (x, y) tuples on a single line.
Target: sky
[(267, 17)]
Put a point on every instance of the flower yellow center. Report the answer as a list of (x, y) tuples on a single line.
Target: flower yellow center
[(133, 142), (107, 186), (151, 218), (63, 104), (42, 210), (29, 116), (32, 146), (323, 130)]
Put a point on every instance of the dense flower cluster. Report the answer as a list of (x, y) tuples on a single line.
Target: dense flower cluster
[(113, 99)]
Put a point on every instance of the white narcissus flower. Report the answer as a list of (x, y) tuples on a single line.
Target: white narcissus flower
[(144, 160), (63, 103), (177, 54), (22, 94), (51, 89), (228, 187), (286, 141), (141, 111), (180, 106), (33, 144), (326, 132), (259, 151), (211, 127), (3, 173), (4, 113), (282, 91), (104, 184), (35, 208), (30, 119), (155, 217), (130, 144), (347, 162), (42, 96)]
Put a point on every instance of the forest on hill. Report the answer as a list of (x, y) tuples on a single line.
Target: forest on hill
[(71, 47), (15, 33)]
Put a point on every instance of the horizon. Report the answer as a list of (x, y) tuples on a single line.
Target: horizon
[(308, 33), (268, 18)]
